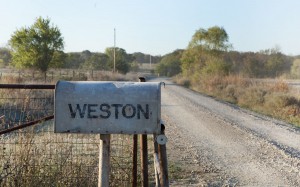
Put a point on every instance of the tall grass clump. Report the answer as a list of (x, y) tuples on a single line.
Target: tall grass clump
[(53, 76), (43, 159)]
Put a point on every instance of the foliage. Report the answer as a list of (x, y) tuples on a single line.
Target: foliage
[(134, 66), (193, 59), (122, 59), (145, 58), (295, 69), (34, 46), (213, 39), (252, 66), (216, 66), (96, 61), (267, 63), (58, 59), (5, 56), (204, 54), (170, 64), (275, 63)]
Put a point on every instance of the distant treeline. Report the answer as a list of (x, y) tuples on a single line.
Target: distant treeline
[(91, 60), (263, 64), (267, 63), (209, 53)]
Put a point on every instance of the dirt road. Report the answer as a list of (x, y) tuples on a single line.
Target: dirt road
[(217, 144)]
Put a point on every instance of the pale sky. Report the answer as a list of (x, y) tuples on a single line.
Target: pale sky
[(158, 27)]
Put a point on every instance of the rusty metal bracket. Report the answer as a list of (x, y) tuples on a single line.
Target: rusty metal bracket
[(17, 127)]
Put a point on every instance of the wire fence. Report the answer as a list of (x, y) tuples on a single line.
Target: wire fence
[(36, 156), (53, 75)]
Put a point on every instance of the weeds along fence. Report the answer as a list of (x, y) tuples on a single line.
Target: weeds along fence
[(31, 154), (57, 74)]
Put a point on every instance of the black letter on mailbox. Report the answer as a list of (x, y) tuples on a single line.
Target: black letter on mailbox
[(128, 109), (105, 108), (90, 110), (140, 109), (81, 112), (116, 109)]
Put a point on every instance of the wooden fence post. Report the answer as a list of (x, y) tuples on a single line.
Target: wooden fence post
[(104, 160), (156, 162), (144, 160), (134, 160), (162, 151)]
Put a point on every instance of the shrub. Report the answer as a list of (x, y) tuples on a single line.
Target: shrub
[(182, 81), (251, 97)]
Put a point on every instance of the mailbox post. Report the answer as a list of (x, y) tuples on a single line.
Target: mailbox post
[(144, 153)]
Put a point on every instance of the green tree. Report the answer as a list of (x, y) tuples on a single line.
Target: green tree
[(216, 66), (5, 56), (96, 61), (295, 68), (212, 39), (58, 60), (193, 59), (73, 60), (123, 59), (134, 66), (169, 64), (275, 64), (35, 46), (252, 66), (205, 49)]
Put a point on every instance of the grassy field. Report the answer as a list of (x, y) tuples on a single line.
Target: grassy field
[(273, 98)]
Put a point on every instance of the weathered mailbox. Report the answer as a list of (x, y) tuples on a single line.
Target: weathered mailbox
[(107, 107)]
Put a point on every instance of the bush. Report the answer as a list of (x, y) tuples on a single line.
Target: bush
[(252, 97), (182, 81)]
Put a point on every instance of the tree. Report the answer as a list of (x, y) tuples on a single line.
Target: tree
[(295, 68), (35, 46), (73, 60), (123, 59), (170, 64), (58, 60), (5, 56), (134, 66), (97, 61), (206, 48), (252, 66), (213, 39)]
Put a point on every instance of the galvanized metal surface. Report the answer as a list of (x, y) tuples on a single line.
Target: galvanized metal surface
[(107, 107), (161, 139)]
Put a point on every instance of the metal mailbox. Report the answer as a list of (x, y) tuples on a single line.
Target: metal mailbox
[(107, 107)]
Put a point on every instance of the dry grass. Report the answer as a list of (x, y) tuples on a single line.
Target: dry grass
[(42, 158), (53, 76), (273, 98)]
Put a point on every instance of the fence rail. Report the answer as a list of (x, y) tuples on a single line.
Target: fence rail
[(31, 154)]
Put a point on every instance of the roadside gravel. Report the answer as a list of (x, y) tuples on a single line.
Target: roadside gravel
[(213, 143)]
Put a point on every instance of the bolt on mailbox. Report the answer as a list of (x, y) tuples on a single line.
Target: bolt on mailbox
[(107, 107)]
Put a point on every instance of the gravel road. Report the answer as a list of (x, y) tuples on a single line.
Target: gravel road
[(219, 144)]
